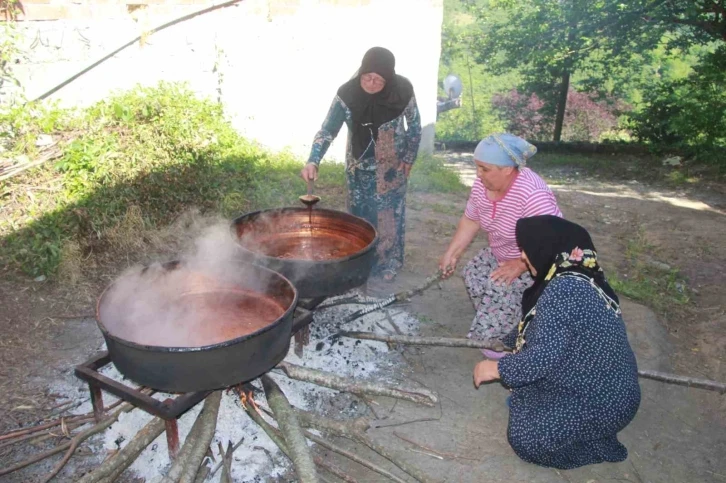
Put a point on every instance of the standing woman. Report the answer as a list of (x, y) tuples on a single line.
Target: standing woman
[(380, 153)]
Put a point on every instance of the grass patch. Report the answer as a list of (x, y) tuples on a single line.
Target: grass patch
[(446, 209), (645, 280), (429, 174), (130, 166)]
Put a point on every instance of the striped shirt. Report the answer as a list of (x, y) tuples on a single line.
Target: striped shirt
[(528, 196)]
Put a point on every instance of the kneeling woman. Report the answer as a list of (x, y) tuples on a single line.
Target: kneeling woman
[(572, 373)]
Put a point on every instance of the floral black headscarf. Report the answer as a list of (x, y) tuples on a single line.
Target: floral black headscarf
[(553, 246)]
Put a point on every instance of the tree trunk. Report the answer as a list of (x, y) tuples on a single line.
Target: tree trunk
[(561, 106)]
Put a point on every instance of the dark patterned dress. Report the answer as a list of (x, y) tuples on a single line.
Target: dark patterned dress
[(376, 186), (575, 381)]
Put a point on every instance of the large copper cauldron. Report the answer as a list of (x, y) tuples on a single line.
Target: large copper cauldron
[(322, 252), (179, 327)]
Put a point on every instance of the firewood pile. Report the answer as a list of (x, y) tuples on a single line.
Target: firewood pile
[(288, 427)]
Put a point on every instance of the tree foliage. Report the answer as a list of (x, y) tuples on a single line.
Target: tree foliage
[(690, 113), (548, 41)]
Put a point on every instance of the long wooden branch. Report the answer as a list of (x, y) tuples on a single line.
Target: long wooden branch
[(355, 432), (667, 378), (177, 468), (208, 425), (397, 297), (297, 446), (420, 396), (430, 341), (112, 468), (428, 283), (202, 475), (277, 437), (719, 387)]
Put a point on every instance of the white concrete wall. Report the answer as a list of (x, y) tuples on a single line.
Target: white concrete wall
[(277, 68)]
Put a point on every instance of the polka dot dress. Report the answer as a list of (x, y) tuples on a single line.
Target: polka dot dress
[(574, 383)]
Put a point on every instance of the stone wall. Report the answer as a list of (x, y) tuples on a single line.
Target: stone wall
[(274, 64)]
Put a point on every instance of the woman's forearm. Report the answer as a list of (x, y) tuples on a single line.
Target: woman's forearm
[(465, 233)]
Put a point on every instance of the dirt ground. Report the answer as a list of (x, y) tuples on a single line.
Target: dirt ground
[(677, 436)]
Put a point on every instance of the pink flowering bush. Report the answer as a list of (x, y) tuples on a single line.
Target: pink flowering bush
[(522, 114), (586, 119)]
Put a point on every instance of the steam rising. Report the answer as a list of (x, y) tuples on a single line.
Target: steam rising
[(207, 298)]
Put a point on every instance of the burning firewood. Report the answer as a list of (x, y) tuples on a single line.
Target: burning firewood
[(294, 439), (420, 396)]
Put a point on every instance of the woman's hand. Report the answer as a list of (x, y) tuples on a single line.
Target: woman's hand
[(465, 233), (447, 264), (485, 371), (508, 271), (309, 172)]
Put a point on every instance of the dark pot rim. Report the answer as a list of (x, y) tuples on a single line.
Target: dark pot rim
[(267, 258), (164, 349)]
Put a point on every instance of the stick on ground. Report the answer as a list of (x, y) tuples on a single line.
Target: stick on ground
[(278, 439), (24, 432), (430, 341), (719, 387), (420, 396), (117, 464), (71, 445), (290, 428), (177, 468), (227, 464), (355, 430), (208, 418), (667, 378), (219, 465), (39, 436), (353, 457)]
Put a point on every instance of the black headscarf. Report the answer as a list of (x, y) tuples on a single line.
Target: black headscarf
[(369, 111), (552, 241)]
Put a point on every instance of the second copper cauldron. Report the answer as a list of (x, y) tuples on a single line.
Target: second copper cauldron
[(322, 252)]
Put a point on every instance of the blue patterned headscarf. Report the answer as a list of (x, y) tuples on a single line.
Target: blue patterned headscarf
[(504, 150)]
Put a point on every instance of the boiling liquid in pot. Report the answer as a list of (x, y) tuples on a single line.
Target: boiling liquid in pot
[(185, 309), (311, 245)]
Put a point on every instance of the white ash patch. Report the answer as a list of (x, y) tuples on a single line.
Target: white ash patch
[(258, 459)]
